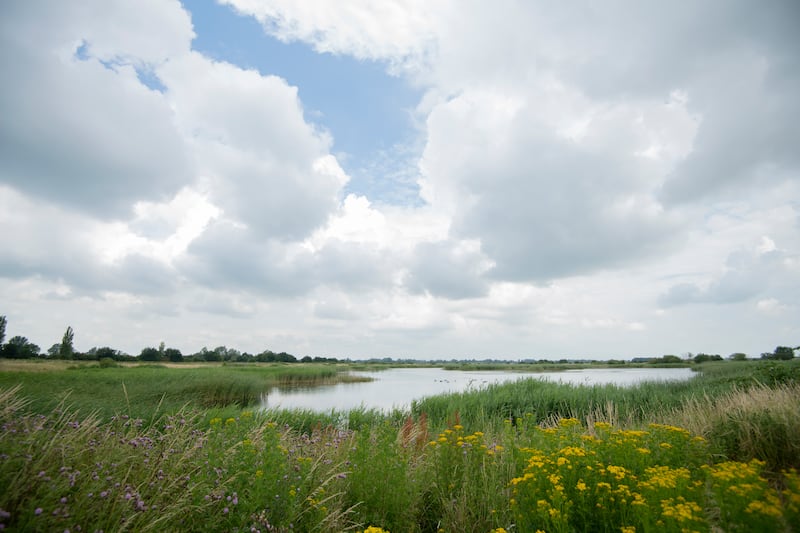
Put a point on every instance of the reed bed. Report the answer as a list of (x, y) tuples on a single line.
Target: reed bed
[(249, 472), (146, 389), (717, 453)]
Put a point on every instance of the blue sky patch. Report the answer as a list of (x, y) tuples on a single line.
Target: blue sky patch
[(366, 110)]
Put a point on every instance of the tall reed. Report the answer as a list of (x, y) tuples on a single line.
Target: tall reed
[(756, 422)]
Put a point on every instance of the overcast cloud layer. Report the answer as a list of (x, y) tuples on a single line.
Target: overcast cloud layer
[(594, 180)]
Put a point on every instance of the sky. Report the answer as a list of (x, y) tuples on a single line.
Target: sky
[(402, 178)]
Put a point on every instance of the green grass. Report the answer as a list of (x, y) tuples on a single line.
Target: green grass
[(508, 458), (626, 405), (188, 472), (145, 390)]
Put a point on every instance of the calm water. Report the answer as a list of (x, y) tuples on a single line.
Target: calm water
[(399, 386)]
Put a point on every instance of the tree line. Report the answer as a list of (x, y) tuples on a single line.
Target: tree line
[(19, 347)]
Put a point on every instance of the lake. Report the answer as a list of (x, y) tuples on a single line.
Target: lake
[(398, 387)]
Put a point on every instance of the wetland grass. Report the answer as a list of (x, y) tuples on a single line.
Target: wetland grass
[(142, 390), (476, 462)]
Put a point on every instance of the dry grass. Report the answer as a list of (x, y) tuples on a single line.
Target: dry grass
[(757, 422), (39, 365)]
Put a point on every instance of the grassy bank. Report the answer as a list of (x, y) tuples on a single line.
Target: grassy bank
[(618, 404), (716, 454), (142, 390)]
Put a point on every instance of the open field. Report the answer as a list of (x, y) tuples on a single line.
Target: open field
[(717, 454)]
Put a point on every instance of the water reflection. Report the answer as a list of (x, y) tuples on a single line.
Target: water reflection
[(397, 387)]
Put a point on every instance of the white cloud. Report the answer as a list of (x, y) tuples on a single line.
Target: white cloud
[(79, 127), (267, 167), (393, 31), (594, 180)]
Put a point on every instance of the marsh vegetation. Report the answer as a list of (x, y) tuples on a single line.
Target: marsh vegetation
[(180, 449)]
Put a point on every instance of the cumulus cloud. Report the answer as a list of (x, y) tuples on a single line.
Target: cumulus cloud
[(79, 127), (228, 256), (769, 274), (448, 269), (395, 31), (541, 206), (267, 167), (578, 165)]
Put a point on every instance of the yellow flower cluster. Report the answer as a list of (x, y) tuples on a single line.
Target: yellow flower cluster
[(745, 496), (454, 438), (682, 510), (570, 483), (664, 477), (628, 479)]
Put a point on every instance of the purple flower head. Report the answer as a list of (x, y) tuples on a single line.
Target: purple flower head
[(38, 511)]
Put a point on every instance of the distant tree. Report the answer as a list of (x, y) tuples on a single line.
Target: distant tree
[(704, 357), (150, 354), (738, 356), (3, 323), (267, 356), (668, 359), (95, 354), (306, 359), (284, 357), (244, 357), (174, 355), (20, 348), (783, 353), (107, 352), (211, 355), (54, 350), (221, 353), (201, 355), (66, 350)]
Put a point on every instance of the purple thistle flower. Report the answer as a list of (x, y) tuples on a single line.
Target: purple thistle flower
[(38, 511)]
